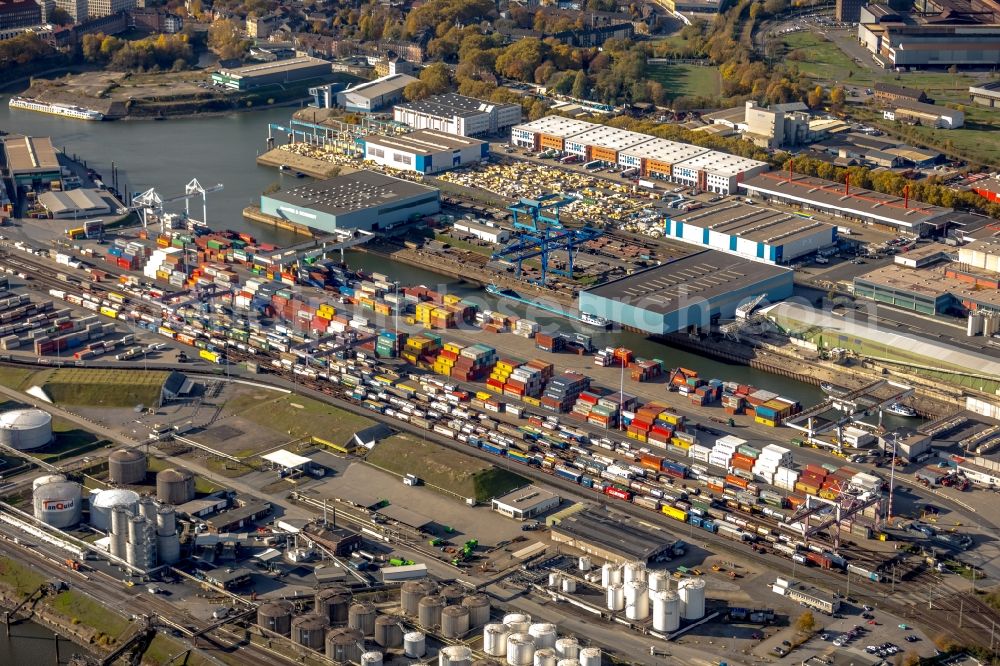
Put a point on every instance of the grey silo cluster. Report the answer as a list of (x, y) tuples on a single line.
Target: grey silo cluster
[(168, 543), (429, 611), (127, 467), (142, 532), (412, 592), (276, 616), (333, 603), (175, 485)]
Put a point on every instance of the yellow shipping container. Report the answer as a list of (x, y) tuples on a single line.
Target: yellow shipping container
[(411, 321), (680, 443), (451, 299), (534, 402), (108, 312), (763, 421), (453, 348), (483, 395)]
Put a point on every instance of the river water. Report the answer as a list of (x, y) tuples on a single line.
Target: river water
[(30, 643), (222, 149)]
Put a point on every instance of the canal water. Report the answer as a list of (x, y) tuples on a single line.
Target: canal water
[(31, 643), (222, 149)]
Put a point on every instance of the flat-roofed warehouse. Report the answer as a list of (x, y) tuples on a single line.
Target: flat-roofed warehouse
[(758, 233), (425, 151), (832, 198), (293, 70), (525, 503), (612, 537), (716, 172), (686, 294), (374, 95), (549, 132), (603, 143), (655, 158), (458, 114), (951, 288), (362, 200), (31, 160)]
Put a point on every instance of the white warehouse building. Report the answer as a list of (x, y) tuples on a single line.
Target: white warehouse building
[(716, 172), (754, 232), (458, 114), (484, 231), (425, 151)]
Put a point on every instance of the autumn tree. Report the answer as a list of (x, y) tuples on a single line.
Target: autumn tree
[(815, 98), (225, 38), (436, 79), (837, 97), (806, 623)]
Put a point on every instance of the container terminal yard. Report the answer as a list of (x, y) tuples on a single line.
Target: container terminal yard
[(310, 463), (652, 467)]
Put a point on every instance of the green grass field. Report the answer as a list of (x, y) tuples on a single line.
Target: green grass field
[(90, 613), (686, 80), (298, 416), (18, 577), (101, 388), (437, 466)]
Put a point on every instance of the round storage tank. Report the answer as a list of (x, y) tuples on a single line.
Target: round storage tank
[(412, 592), (634, 572), (276, 616), (452, 594), (568, 662), (429, 611), (545, 657), (454, 621), (692, 594), (544, 634), (611, 574), (58, 503), (495, 639), (487, 662), (373, 658), (103, 502), (616, 598), (175, 485), (414, 644), (590, 656), (127, 466), (361, 616), (46, 478), (148, 508), (168, 548), (455, 655), (658, 580), (344, 644), (479, 609), (567, 648), (520, 650), (636, 600), (517, 622), (332, 603), (568, 585), (584, 563), (388, 632), (25, 429), (166, 520), (666, 611), (310, 630)]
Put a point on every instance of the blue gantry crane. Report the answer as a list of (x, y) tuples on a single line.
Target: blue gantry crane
[(538, 232)]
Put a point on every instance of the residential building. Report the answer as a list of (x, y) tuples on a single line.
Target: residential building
[(155, 20), (987, 94), (458, 114), (45, 32), (259, 27), (376, 95), (99, 8), (75, 8), (19, 14), (391, 65)]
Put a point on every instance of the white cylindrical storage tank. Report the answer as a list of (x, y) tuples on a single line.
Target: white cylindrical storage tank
[(455, 655), (126, 467), (692, 596), (611, 574), (148, 508), (544, 657), (567, 648), (584, 563), (103, 502), (479, 609), (568, 662), (520, 650), (636, 601), (666, 611), (47, 478), (58, 503), (590, 656), (634, 572), (518, 623), (495, 639), (429, 611), (25, 429), (372, 658), (137, 529), (414, 644), (544, 634), (657, 580), (554, 579), (454, 621), (616, 598), (166, 520), (568, 585)]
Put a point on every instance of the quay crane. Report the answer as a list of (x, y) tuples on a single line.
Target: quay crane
[(539, 233), (150, 201)]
